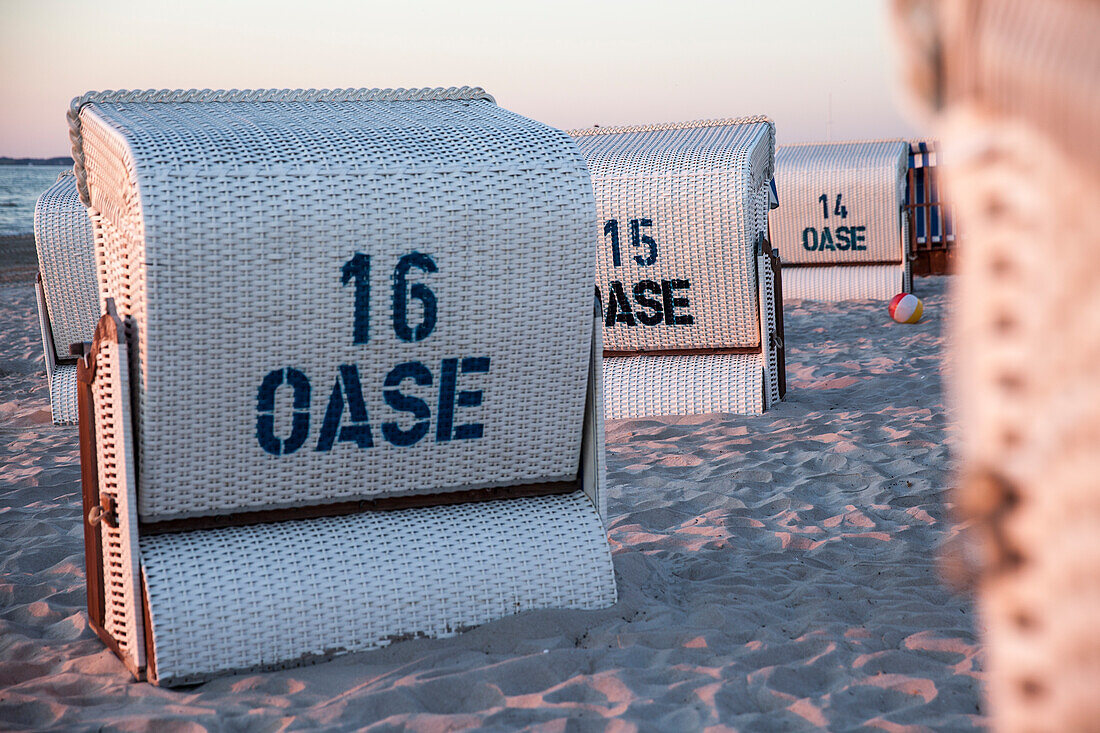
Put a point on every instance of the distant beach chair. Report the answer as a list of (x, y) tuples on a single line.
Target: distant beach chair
[(841, 227), (68, 300), (930, 219), (690, 285), (340, 396)]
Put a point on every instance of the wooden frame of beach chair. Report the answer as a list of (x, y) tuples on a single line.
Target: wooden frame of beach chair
[(931, 220), (841, 226), (330, 525), (688, 277), (68, 303)]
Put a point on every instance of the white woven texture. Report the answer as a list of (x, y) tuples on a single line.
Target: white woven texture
[(170, 96), (699, 192), (868, 178), (844, 282), (61, 377), (63, 397), (70, 298), (115, 473), (644, 386), (224, 222), (287, 593), (66, 259)]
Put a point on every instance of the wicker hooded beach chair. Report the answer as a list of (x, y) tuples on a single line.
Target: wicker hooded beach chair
[(841, 227), (691, 290), (68, 303), (338, 397), (1011, 88)]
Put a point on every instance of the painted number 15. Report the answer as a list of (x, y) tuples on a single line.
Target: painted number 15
[(637, 239)]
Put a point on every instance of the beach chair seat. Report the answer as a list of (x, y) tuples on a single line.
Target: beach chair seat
[(841, 227), (690, 284), (316, 416), (68, 300)]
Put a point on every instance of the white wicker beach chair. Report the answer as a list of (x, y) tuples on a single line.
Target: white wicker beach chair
[(338, 395), (68, 303), (841, 227), (689, 282)]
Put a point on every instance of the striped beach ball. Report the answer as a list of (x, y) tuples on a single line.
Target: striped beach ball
[(906, 308)]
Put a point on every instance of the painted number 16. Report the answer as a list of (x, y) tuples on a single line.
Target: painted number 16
[(358, 269)]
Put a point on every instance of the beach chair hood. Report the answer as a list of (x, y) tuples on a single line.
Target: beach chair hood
[(331, 292)]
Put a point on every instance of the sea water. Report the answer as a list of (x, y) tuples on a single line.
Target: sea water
[(20, 187)]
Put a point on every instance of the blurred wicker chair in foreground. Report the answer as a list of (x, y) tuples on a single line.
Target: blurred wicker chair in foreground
[(68, 301), (1012, 87), (841, 227), (336, 400), (690, 285)]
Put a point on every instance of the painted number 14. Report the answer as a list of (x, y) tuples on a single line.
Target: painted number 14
[(839, 209)]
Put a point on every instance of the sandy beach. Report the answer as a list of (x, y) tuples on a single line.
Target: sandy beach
[(18, 261), (775, 573)]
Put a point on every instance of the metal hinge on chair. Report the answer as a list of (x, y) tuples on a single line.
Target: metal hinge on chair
[(775, 340), (104, 512)]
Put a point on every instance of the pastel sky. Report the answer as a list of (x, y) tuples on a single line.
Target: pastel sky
[(569, 63)]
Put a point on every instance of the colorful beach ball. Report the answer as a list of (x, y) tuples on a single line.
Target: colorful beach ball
[(906, 308)]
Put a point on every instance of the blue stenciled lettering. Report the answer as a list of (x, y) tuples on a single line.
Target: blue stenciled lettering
[(346, 393), (672, 302), (612, 228), (642, 290), (847, 238), (358, 267), (842, 239), (663, 305), (420, 291), (637, 239), (618, 307), (471, 398), (402, 402), (346, 418), (449, 398), (858, 236), (839, 210), (265, 411), (806, 243), (448, 383)]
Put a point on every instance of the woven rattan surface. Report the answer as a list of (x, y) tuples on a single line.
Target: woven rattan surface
[(643, 386), (66, 263), (680, 210), (66, 260), (848, 282), (63, 395), (287, 593), (840, 202), (276, 364)]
